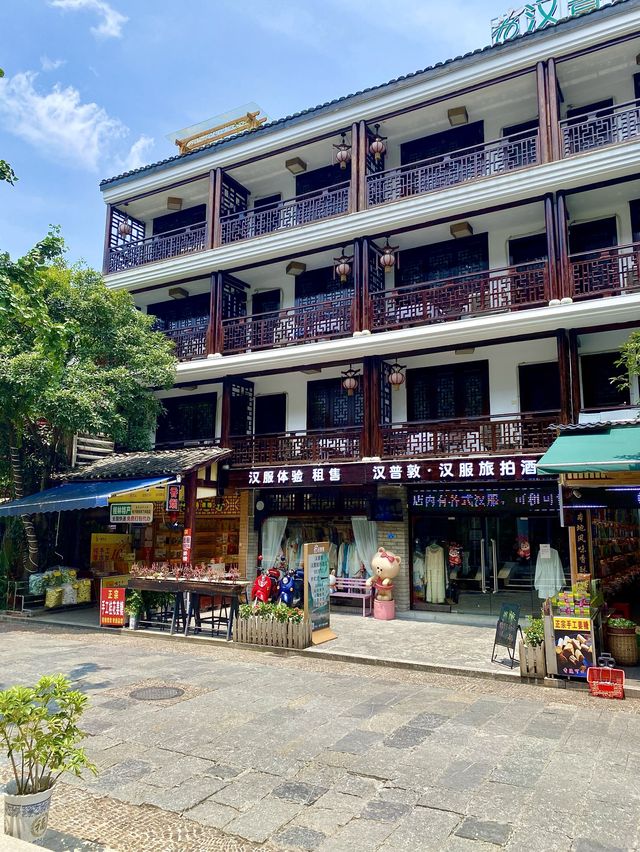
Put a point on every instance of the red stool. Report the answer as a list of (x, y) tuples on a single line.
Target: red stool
[(621, 610)]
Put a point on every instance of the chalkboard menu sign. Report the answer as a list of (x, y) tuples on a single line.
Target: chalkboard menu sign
[(507, 630)]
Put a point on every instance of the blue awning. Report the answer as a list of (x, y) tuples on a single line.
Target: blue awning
[(76, 495)]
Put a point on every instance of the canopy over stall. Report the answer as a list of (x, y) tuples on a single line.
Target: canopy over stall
[(75, 495), (596, 448)]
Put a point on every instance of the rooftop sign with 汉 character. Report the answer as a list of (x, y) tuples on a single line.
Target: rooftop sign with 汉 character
[(537, 15)]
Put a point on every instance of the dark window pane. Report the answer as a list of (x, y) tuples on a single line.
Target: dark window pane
[(192, 419), (271, 414), (329, 406), (442, 143), (438, 393), (591, 236), (539, 387), (597, 389), (181, 219)]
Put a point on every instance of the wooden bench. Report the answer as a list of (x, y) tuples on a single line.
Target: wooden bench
[(354, 587)]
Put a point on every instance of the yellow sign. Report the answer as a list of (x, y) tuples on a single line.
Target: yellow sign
[(153, 494), (109, 547), (118, 581), (560, 623)]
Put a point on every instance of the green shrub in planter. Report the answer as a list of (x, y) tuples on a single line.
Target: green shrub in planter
[(534, 632)]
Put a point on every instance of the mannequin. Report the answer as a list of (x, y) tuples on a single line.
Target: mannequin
[(435, 573)]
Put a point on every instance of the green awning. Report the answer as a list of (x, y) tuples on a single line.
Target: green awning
[(599, 450)]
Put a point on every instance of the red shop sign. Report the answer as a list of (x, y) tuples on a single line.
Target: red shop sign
[(112, 607)]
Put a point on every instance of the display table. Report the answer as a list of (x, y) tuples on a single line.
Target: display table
[(228, 591)]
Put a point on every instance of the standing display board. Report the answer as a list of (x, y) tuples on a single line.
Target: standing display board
[(574, 643), (507, 630), (316, 599), (112, 599)]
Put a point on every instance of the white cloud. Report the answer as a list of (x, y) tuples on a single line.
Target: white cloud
[(57, 123), (137, 156), (112, 21), (51, 64)]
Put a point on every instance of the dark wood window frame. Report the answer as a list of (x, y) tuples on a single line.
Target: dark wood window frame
[(596, 369), (330, 407), (448, 392), (171, 431)]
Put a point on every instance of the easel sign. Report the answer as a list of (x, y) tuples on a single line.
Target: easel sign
[(507, 630), (316, 585)]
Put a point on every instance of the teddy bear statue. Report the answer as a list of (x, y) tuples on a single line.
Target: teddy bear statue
[(386, 567)]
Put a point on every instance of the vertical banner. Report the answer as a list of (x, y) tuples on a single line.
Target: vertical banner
[(112, 600), (316, 599)]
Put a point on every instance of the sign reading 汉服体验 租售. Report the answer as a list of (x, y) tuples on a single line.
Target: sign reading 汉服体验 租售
[(538, 14)]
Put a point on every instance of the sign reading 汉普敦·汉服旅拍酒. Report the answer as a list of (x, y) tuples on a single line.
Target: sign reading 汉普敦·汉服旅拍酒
[(530, 17)]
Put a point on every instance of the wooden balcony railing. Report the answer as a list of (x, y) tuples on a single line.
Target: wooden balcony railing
[(443, 300), (190, 340), (301, 447), (304, 324), (162, 247), (608, 126), (609, 272), (446, 170), (491, 435), (282, 215)]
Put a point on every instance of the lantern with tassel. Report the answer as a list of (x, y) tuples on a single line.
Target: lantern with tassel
[(388, 257), (343, 152), (350, 380), (377, 146), (396, 375), (342, 267)]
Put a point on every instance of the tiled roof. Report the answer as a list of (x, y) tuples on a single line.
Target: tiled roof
[(298, 116), (149, 464), (594, 425)]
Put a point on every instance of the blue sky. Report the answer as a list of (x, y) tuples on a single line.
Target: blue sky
[(93, 86)]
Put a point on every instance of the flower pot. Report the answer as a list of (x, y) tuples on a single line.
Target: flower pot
[(623, 645), (133, 622), (26, 817)]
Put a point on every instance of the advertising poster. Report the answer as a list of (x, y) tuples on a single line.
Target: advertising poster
[(108, 547), (316, 602), (112, 600), (131, 513), (574, 646)]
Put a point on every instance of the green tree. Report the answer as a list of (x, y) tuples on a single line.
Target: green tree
[(6, 172), (74, 357), (629, 360)]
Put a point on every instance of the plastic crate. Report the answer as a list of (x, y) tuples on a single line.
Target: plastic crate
[(606, 682)]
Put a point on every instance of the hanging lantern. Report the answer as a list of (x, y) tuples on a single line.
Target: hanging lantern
[(388, 257), (350, 380), (342, 267), (343, 152), (377, 146), (396, 376), (125, 229)]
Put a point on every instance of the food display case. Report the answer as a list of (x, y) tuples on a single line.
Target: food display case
[(573, 632)]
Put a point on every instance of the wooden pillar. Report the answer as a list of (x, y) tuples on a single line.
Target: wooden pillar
[(574, 365), (355, 167), (565, 287), (362, 168), (211, 200), (564, 369), (554, 110), (364, 273), (357, 305), (543, 111), (217, 205), (371, 436), (107, 239), (212, 326), (550, 227), (225, 414), (190, 494)]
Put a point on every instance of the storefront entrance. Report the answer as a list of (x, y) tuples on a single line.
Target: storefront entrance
[(484, 560)]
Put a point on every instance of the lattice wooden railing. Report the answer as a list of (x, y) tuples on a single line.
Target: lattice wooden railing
[(608, 126), (161, 247), (610, 272), (302, 447)]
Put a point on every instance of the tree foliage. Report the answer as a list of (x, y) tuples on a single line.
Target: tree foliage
[(6, 172), (629, 360)]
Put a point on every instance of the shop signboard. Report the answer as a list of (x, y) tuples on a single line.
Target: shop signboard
[(109, 547), (573, 639), (524, 499), (112, 600), (507, 630), (316, 599), (172, 498), (538, 14), (131, 513)]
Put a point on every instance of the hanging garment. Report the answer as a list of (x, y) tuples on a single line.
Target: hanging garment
[(549, 578), (435, 574), (353, 561), (418, 572), (333, 558)]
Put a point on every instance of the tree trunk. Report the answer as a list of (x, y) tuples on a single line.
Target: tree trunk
[(32, 558)]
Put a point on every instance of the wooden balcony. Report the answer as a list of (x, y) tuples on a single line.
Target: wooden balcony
[(443, 300), (283, 215), (190, 340), (173, 243), (608, 126), (447, 170), (304, 324), (610, 272), (301, 447), (475, 436)]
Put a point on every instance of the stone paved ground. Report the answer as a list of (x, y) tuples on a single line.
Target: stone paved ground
[(263, 751)]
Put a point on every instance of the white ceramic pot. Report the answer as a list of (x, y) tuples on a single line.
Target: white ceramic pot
[(133, 622), (26, 817)]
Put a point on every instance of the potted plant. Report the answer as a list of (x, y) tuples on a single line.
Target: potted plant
[(621, 638), (134, 606), (39, 732), (531, 650)]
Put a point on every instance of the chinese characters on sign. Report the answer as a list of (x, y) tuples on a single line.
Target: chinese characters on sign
[(112, 607), (519, 499), (539, 14), (172, 503), (582, 543), (316, 570), (574, 646), (397, 472), (131, 513)]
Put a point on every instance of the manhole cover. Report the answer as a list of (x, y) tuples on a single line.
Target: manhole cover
[(156, 693)]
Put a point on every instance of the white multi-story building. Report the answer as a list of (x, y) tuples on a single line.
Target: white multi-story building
[(382, 303)]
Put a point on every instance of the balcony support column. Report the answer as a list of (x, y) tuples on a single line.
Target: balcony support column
[(543, 110), (366, 296), (213, 343), (552, 263), (107, 239), (564, 369), (357, 307), (574, 365), (554, 110), (564, 281), (216, 209), (357, 161), (225, 413), (371, 434), (208, 237)]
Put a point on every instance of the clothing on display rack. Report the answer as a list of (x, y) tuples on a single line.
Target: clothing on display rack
[(549, 578), (435, 574), (419, 571)]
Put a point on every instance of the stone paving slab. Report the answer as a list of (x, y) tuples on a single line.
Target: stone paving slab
[(293, 753)]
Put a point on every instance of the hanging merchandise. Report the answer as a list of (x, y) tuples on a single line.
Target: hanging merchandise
[(455, 555), (549, 578), (435, 574)]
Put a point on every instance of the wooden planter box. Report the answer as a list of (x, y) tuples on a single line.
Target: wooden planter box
[(532, 661), (275, 634)]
